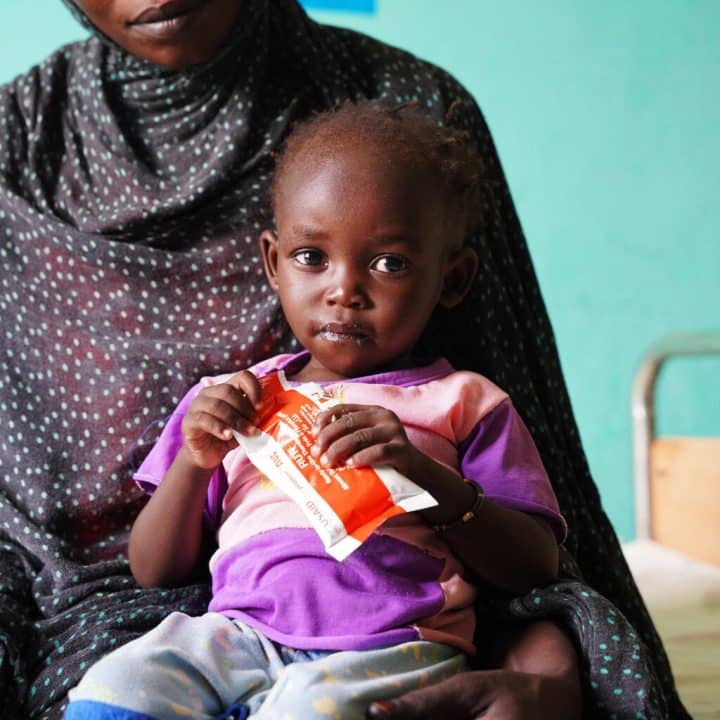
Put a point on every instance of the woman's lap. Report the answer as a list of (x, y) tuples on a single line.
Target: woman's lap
[(199, 666)]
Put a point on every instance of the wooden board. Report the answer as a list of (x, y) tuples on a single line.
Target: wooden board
[(685, 495)]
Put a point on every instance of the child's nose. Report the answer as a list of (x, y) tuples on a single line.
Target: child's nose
[(348, 290)]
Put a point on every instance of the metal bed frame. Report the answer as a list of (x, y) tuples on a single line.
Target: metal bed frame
[(643, 410)]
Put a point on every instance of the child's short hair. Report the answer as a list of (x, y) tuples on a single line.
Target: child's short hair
[(446, 151)]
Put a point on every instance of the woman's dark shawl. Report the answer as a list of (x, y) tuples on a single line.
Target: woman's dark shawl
[(130, 204)]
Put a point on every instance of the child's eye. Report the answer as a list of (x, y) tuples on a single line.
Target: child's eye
[(390, 263), (308, 256)]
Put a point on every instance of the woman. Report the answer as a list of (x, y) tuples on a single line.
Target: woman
[(134, 168)]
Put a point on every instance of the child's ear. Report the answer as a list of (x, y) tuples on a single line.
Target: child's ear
[(268, 248), (460, 270)]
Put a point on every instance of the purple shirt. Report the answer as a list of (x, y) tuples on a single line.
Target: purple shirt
[(403, 583)]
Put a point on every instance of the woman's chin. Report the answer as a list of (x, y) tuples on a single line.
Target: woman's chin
[(169, 54)]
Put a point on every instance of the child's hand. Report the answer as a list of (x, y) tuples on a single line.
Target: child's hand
[(363, 435), (217, 410)]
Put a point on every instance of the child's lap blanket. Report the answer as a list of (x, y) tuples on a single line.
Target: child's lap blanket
[(130, 203)]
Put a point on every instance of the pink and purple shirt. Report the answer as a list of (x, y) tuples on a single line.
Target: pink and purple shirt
[(270, 568)]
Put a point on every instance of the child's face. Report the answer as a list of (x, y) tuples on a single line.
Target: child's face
[(360, 259)]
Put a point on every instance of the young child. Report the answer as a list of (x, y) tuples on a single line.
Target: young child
[(372, 206)]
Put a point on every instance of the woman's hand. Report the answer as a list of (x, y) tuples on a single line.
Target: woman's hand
[(537, 677), (363, 435), (217, 410), (484, 695)]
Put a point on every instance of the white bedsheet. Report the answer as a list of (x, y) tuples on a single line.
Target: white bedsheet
[(667, 578)]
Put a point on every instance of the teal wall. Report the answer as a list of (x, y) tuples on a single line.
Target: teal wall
[(607, 120)]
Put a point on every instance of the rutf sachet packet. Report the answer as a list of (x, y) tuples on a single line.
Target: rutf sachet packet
[(343, 504)]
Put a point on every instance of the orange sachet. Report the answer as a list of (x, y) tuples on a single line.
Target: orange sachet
[(343, 504)]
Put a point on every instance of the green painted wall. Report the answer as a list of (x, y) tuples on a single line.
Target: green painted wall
[(607, 120)]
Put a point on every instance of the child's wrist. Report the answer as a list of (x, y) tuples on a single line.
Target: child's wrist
[(191, 461), (469, 513), (455, 499)]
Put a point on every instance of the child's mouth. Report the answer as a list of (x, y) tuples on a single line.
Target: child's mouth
[(344, 332)]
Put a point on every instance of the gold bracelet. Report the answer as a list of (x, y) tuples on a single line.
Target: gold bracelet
[(468, 515)]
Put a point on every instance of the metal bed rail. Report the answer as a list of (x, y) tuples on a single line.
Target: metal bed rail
[(643, 410)]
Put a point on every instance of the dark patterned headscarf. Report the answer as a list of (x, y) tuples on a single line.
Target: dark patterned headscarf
[(131, 199)]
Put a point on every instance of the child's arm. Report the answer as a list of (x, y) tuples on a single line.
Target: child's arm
[(505, 548), (166, 538)]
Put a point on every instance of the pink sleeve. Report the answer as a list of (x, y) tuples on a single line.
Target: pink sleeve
[(500, 455)]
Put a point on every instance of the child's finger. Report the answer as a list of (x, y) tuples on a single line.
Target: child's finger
[(353, 432), (199, 422), (248, 385), (228, 408), (335, 413), (385, 453), (342, 419), (337, 421), (230, 394)]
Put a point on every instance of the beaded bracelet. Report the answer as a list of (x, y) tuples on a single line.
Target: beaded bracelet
[(468, 515)]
